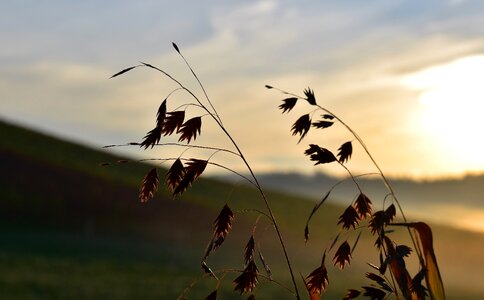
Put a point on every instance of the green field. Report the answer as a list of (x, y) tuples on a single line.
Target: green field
[(70, 229)]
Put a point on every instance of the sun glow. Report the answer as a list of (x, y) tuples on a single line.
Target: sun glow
[(452, 110)]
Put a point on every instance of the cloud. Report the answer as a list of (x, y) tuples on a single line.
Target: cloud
[(56, 65)]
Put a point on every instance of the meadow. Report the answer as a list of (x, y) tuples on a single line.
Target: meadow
[(72, 229)]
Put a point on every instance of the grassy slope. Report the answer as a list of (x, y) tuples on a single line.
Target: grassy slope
[(73, 230)]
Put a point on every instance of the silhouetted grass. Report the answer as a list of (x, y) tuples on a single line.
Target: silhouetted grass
[(387, 275)]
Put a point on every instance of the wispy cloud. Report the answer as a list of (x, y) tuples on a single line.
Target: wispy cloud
[(56, 59)]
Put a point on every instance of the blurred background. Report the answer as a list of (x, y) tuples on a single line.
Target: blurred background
[(405, 75)]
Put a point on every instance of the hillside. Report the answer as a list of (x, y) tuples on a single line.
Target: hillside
[(71, 229), (62, 211), (438, 200)]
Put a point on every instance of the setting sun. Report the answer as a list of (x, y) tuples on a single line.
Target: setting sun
[(451, 99)]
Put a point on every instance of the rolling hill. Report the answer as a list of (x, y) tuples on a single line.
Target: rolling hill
[(71, 229), (435, 200)]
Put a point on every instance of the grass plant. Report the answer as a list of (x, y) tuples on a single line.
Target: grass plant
[(389, 277)]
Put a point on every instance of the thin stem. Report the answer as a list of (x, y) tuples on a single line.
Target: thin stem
[(179, 145), (352, 177), (187, 104), (257, 211), (385, 199), (255, 224), (177, 89), (217, 119), (269, 209), (285, 92), (209, 162), (177, 82), (201, 85), (223, 272), (235, 172), (392, 276), (318, 205)]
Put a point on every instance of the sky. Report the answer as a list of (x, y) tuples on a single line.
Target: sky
[(405, 75)]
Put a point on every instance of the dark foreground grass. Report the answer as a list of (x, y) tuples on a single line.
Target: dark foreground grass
[(46, 264), (49, 265), (73, 230)]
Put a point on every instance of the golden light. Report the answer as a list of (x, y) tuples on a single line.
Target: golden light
[(452, 110)]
